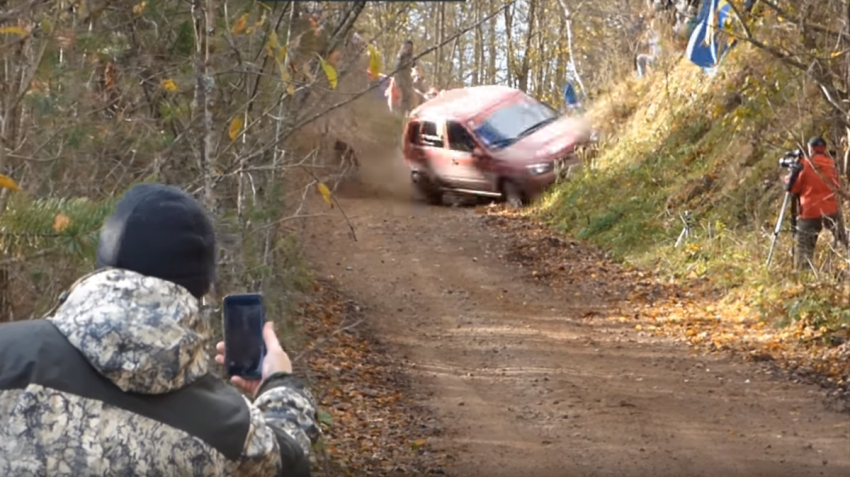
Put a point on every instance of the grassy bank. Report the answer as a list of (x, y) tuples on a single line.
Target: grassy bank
[(681, 141)]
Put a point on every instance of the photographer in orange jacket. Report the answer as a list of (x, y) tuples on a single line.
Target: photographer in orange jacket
[(815, 180)]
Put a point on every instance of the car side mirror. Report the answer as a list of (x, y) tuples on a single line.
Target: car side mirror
[(477, 153)]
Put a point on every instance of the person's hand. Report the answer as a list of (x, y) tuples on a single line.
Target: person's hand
[(275, 361)]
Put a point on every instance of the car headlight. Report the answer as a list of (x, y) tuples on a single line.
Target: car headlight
[(542, 168)]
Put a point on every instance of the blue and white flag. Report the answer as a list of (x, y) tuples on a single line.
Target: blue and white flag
[(708, 42), (570, 96)]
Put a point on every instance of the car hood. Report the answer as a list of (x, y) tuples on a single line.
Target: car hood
[(547, 143)]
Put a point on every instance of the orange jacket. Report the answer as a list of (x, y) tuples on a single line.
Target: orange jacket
[(817, 198)]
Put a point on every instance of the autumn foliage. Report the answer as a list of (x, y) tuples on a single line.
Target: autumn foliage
[(684, 141)]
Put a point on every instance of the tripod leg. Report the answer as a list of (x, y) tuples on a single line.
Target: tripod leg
[(777, 228), (840, 231), (686, 230), (770, 253), (681, 238), (795, 234)]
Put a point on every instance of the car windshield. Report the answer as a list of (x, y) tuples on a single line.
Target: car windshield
[(512, 122)]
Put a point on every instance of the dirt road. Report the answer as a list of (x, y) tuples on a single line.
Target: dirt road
[(530, 380)]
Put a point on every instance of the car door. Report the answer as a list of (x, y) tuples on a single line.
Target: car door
[(467, 171), (430, 150)]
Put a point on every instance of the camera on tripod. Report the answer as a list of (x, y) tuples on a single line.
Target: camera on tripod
[(791, 159)]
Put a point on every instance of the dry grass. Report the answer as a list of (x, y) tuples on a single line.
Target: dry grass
[(681, 140)]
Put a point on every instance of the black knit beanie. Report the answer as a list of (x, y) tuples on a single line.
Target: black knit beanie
[(160, 231)]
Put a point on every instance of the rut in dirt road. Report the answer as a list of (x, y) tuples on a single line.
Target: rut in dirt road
[(527, 381)]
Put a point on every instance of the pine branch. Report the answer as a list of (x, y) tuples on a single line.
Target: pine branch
[(43, 226)]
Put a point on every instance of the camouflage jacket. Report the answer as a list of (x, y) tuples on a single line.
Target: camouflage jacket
[(117, 382)]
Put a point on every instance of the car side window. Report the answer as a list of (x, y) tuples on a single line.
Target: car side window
[(431, 135), (459, 137), (413, 133)]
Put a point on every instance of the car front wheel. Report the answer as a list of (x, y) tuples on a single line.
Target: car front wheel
[(513, 194), (427, 190)]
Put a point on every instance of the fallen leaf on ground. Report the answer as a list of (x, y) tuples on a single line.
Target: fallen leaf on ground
[(371, 424)]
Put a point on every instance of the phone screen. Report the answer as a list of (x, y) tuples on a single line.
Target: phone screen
[(244, 317)]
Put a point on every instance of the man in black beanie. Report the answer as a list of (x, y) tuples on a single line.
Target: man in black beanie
[(160, 231), (117, 380)]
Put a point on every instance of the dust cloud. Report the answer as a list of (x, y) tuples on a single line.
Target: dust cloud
[(374, 134), (383, 172)]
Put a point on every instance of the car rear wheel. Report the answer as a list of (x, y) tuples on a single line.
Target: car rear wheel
[(426, 190), (513, 194)]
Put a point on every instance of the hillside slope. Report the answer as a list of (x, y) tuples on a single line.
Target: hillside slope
[(681, 140)]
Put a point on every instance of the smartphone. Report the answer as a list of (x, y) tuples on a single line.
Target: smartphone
[(243, 318)]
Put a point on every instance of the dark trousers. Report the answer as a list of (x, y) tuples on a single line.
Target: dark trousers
[(807, 237)]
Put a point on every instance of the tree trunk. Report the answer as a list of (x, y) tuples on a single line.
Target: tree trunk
[(561, 53), (478, 48), (524, 69), (509, 40), (6, 309), (449, 71), (573, 65), (460, 49), (540, 86), (202, 15), (846, 162), (439, 13), (492, 52)]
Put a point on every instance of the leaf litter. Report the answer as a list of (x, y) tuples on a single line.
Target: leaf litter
[(691, 311), (368, 415)]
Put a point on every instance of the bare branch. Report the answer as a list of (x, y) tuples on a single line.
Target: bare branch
[(20, 10)]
